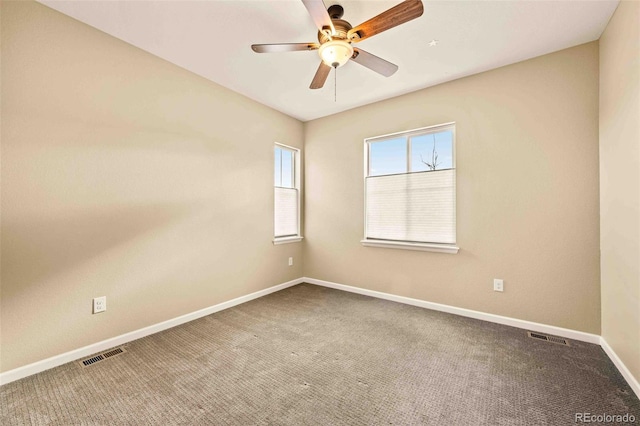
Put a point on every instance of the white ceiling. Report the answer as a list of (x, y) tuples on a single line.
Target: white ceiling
[(212, 39)]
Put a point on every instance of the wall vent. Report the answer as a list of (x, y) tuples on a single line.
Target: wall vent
[(552, 339), (101, 357)]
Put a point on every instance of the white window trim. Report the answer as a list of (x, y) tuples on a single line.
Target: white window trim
[(297, 174), (287, 240), (405, 245)]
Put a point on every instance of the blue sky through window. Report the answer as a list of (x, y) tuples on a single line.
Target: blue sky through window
[(390, 156), (283, 168), (277, 163)]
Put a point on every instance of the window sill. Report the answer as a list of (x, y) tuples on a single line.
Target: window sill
[(287, 240), (438, 248)]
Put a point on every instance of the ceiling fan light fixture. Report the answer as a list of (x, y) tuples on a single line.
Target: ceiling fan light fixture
[(336, 53)]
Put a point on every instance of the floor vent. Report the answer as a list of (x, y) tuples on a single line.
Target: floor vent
[(113, 352), (101, 357), (552, 339)]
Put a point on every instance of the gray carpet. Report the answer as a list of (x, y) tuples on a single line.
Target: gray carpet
[(310, 355)]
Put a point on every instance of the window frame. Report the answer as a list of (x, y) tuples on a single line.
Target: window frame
[(450, 248), (296, 179)]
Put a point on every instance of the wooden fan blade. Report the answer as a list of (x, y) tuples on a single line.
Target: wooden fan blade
[(374, 63), (321, 76), (319, 14), (399, 14), (283, 47)]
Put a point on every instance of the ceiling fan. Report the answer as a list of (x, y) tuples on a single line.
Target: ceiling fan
[(336, 37)]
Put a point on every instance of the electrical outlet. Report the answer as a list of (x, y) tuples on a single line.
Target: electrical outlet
[(99, 304), (291, 261), (498, 285)]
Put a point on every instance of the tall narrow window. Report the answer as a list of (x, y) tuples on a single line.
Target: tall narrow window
[(410, 190), (286, 194)]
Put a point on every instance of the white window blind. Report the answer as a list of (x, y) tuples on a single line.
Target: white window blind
[(413, 207), (286, 212)]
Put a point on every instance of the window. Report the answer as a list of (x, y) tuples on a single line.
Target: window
[(286, 195), (410, 190)]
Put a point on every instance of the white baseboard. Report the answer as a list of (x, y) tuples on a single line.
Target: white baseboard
[(528, 325), (633, 382), (46, 364), (513, 322)]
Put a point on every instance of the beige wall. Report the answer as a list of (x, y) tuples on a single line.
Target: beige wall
[(124, 176), (527, 195), (620, 183)]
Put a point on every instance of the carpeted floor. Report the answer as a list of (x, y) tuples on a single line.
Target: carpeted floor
[(311, 355)]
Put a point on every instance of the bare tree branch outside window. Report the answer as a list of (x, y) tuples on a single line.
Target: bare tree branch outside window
[(433, 165)]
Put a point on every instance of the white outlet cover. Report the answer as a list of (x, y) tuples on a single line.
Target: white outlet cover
[(498, 285), (99, 304)]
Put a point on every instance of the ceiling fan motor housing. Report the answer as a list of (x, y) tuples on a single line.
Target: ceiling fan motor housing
[(342, 28)]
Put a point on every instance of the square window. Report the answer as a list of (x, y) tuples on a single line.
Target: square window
[(410, 187)]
